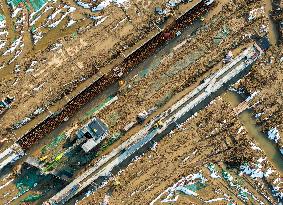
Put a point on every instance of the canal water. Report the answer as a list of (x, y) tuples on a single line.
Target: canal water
[(272, 33), (254, 131)]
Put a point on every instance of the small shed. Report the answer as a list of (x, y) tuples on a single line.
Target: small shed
[(263, 43), (95, 131), (95, 128), (98, 127)]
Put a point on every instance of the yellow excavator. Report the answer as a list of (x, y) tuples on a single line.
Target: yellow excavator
[(158, 124), (122, 85), (115, 184), (43, 158)]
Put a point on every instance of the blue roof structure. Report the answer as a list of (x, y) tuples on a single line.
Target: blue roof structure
[(96, 128), (263, 43)]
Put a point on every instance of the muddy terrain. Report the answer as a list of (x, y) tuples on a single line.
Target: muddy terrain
[(66, 57), (229, 152), (213, 136)]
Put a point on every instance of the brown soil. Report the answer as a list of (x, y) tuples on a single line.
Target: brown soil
[(266, 78), (80, 56), (211, 136)]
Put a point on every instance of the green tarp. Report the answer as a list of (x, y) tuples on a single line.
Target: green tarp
[(36, 4), (2, 17), (195, 187), (27, 182), (15, 3), (32, 198)]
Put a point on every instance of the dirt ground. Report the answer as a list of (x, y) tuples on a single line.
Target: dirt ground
[(164, 81), (176, 70), (266, 78), (212, 136), (215, 137), (68, 56), (148, 177)]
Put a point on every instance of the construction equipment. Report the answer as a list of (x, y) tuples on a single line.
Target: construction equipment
[(122, 86), (43, 158), (228, 57), (59, 157), (116, 182), (142, 117), (6, 104), (158, 124), (122, 83)]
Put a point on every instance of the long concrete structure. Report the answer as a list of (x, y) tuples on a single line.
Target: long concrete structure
[(11, 155), (127, 149)]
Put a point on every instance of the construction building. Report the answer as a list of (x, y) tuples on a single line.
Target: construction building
[(94, 131)]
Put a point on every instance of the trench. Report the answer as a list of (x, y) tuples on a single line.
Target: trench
[(272, 33), (248, 120), (97, 183), (149, 65)]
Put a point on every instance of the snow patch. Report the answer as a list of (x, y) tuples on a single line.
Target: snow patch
[(14, 46), (254, 147), (259, 114), (70, 23), (2, 45), (6, 184), (101, 21), (101, 6), (187, 185), (3, 24), (273, 134), (186, 191), (252, 96), (16, 11), (84, 5), (214, 200)]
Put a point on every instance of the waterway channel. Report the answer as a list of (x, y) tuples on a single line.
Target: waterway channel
[(254, 131), (273, 35)]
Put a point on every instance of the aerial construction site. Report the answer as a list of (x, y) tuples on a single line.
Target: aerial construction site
[(114, 102)]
